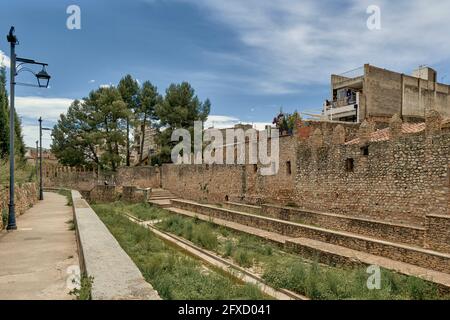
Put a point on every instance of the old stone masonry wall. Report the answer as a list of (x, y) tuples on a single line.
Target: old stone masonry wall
[(25, 197), (399, 174)]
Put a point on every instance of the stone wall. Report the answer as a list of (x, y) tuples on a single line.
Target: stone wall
[(85, 180), (218, 183), (26, 196), (395, 175), (399, 180)]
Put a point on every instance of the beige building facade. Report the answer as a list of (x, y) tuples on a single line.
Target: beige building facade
[(377, 94)]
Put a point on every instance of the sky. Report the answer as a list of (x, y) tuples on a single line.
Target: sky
[(249, 57)]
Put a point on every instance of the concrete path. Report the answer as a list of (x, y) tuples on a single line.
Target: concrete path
[(35, 259)]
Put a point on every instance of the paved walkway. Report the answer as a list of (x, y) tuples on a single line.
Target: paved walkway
[(35, 259)]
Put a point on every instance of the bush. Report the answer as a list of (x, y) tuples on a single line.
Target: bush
[(228, 249), (203, 236), (243, 258)]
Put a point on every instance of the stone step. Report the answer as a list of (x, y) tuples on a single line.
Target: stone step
[(402, 233), (161, 194), (243, 207), (164, 203), (161, 198), (327, 253), (396, 251)]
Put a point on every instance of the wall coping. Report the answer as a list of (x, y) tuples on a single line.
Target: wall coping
[(340, 216), (116, 277)]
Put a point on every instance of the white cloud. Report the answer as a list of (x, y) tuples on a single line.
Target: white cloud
[(49, 108), (4, 60), (106, 85), (293, 43), (91, 81), (223, 122), (31, 108)]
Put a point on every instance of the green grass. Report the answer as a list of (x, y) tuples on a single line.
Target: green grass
[(68, 194), (24, 172), (84, 293), (285, 270), (174, 274), (71, 224)]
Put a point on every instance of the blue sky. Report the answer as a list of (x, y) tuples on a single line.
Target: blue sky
[(250, 57)]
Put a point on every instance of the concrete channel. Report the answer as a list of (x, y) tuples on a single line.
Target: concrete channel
[(216, 261)]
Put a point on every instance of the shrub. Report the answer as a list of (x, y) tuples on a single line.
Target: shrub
[(228, 249), (242, 258), (203, 236)]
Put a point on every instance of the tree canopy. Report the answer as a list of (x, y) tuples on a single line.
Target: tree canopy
[(19, 145), (95, 130)]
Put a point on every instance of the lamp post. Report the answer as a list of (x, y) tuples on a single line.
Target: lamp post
[(37, 161), (43, 79), (41, 184)]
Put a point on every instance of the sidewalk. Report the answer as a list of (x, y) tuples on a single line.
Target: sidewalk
[(34, 259)]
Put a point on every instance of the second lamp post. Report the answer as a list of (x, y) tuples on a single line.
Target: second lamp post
[(41, 184)]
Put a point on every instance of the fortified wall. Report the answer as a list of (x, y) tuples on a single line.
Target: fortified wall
[(85, 180), (399, 174), (25, 196)]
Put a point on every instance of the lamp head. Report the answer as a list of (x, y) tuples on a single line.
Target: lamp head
[(43, 78)]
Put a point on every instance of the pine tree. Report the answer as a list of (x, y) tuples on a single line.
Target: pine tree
[(129, 90), (179, 109)]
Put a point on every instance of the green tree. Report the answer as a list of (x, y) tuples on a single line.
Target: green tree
[(149, 98), (76, 137), (129, 90), (93, 132), (179, 109), (4, 115), (19, 145)]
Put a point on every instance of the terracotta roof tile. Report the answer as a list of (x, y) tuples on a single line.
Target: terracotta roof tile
[(383, 134)]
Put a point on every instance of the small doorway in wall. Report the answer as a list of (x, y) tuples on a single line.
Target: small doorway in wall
[(227, 198), (350, 165), (288, 168)]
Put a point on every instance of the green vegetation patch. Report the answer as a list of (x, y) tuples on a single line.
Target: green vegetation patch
[(282, 269), (68, 194), (24, 172), (173, 273)]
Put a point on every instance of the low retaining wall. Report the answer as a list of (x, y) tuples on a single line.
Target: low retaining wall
[(371, 228), (26, 197), (413, 255), (116, 277)]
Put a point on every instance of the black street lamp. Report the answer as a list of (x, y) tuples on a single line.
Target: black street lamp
[(37, 161), (41, 181), (43, 79)]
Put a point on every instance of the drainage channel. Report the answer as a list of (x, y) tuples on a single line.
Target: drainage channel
[(218, 262)]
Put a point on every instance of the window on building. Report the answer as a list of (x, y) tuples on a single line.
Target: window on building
[(350, 165), (255, 168), (365, 151), (288, 168)]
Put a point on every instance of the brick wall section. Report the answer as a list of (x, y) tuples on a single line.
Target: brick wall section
[(397, 252), (438, 232), (58, 176), (216, 183), (25, 197), (142, 177), (399, 181), (371, 228)]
